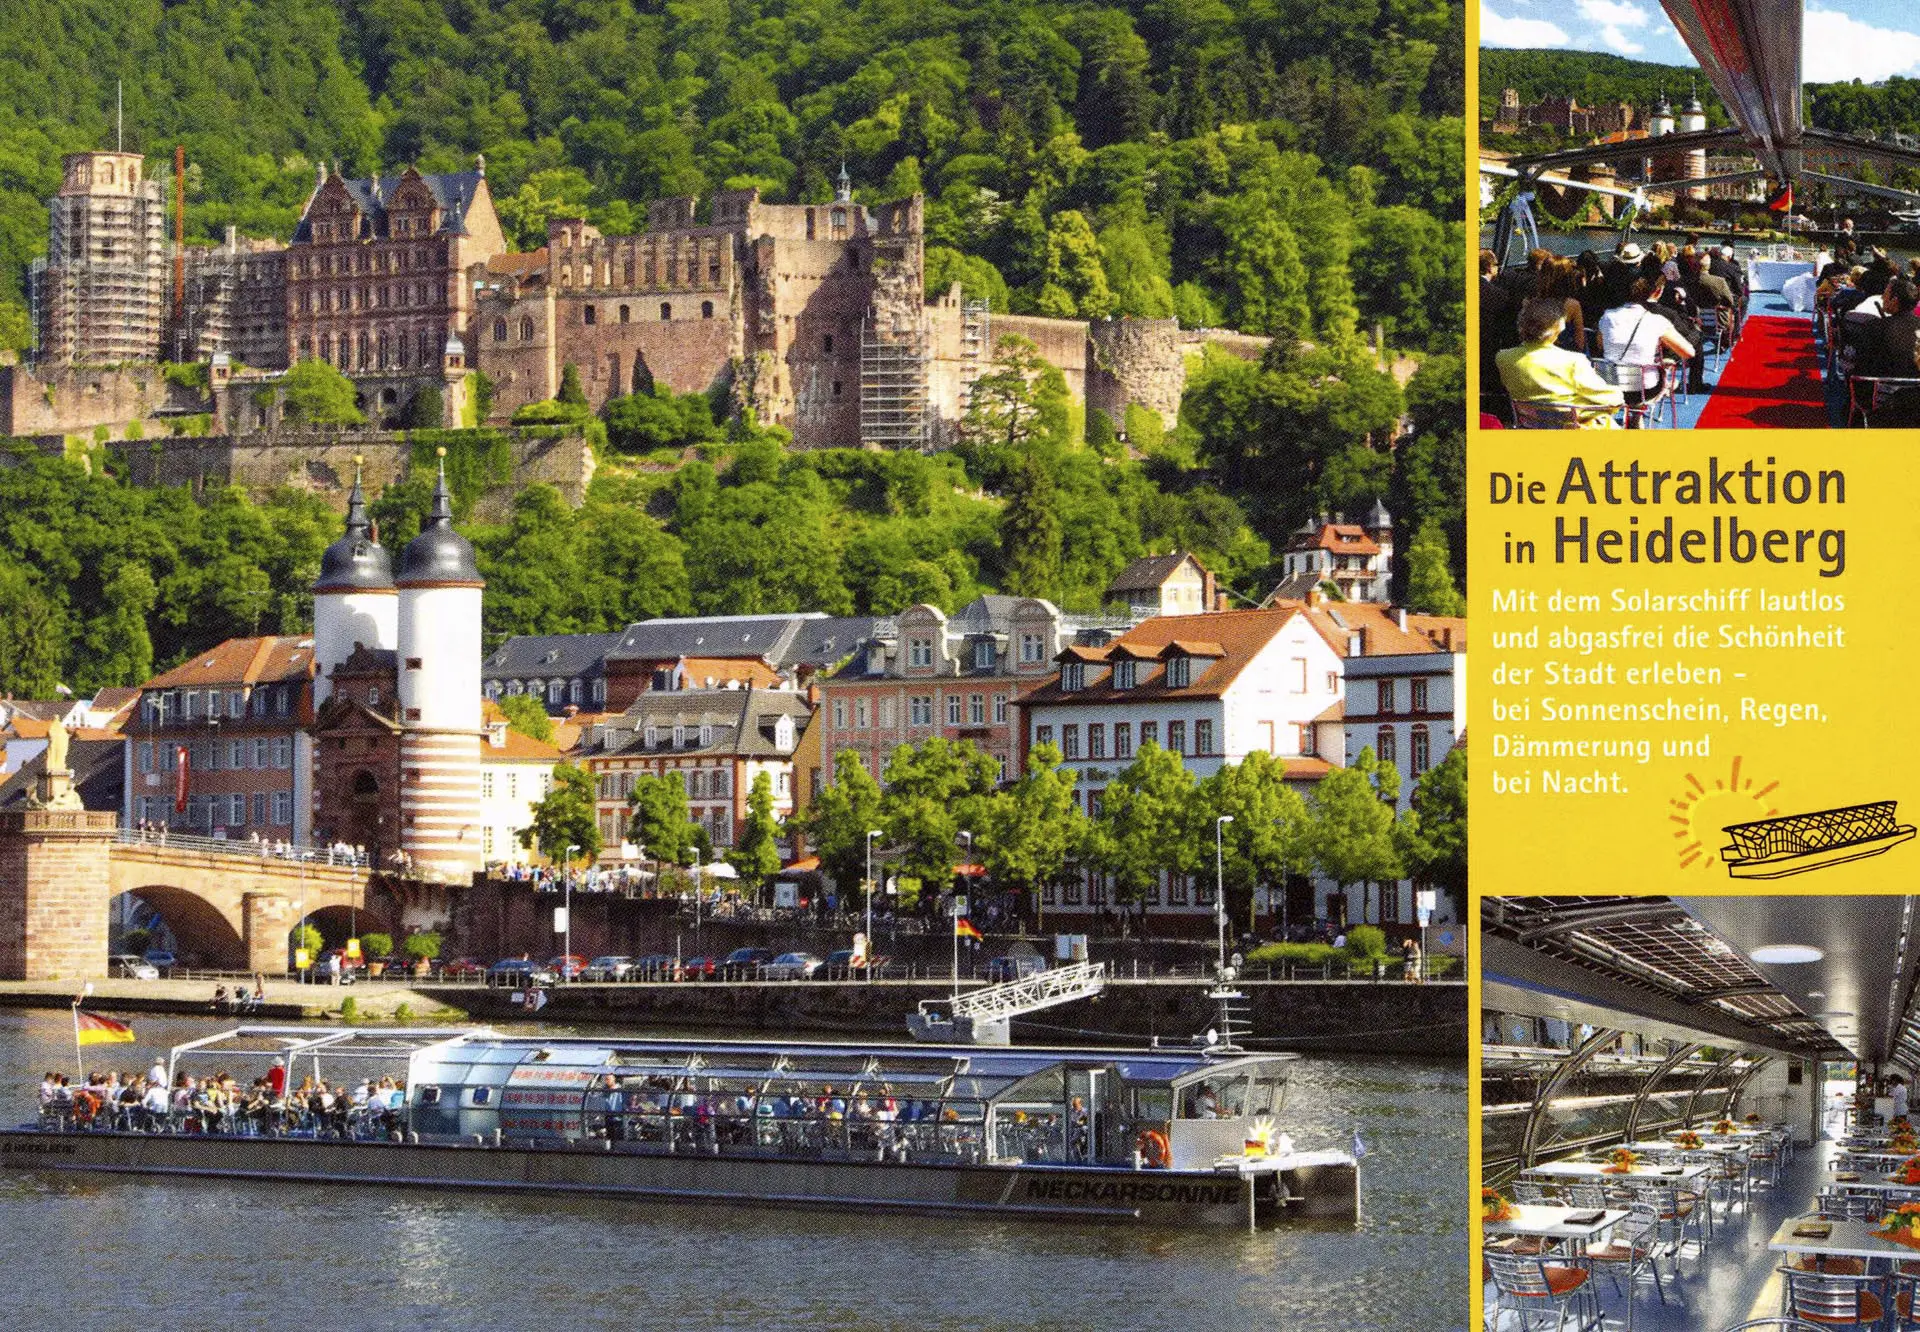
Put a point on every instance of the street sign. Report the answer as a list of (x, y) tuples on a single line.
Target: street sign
[(560, 920), (959, 904), (353, 949)]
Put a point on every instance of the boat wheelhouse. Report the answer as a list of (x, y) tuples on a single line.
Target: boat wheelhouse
[(1165, 1136)]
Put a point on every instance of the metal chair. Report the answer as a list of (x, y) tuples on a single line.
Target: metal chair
[(1906, 1289), (1876, 389), (1774, 1325), (1833, 1299), (1635, 1247), (1545, 415), (1530, 1285), (1632, 379)]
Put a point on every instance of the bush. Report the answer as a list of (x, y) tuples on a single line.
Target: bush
[(307, 937), (375, 944), (1366, 941), (136, 940), (422, 945), (1295, 954), (349, 1010)]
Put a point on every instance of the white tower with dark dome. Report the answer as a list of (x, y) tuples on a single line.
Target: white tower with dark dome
[(438, 669), (354, 602)]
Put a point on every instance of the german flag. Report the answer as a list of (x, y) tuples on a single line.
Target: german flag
[(1782, 201), (92, 1029), (963, 928)]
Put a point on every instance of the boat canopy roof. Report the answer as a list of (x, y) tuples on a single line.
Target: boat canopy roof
[(982, 1069)]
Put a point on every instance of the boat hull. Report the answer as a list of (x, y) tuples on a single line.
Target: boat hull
[(1063, 1193)]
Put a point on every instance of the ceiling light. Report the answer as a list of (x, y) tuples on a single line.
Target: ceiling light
[(1837, 1013), (1786, 952), (1816, 994)]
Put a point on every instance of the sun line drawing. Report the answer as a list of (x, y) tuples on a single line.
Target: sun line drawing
[(1705, 809)]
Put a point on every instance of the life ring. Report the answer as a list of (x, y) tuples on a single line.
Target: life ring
[(1153, 1148)]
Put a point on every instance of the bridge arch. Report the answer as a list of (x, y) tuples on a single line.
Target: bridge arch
[(204, 935)]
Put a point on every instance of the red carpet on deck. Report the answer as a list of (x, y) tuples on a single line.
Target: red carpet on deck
[(1772, 382)]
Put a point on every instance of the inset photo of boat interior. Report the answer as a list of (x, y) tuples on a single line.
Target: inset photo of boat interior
[(1694, 1111)]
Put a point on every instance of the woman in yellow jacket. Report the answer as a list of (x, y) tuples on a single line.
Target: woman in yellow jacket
[(1538, 372)]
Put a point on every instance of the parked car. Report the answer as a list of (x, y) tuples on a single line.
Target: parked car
[(1013, 966), (568, 966), (131, 966), (655, 967), (607, 969), (790, 966), (698, 968), (463, 969), (520, 971), (161, 958), (745, 963), (840, 963)]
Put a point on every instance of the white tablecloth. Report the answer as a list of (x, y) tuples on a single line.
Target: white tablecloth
[(1772, 274)]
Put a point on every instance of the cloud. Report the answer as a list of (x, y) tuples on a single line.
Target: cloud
[(1526, 32), (1837, 48), (1613, 13), (1617, 40)]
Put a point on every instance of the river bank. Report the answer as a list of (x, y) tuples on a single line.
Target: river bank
[(1358, 1016)]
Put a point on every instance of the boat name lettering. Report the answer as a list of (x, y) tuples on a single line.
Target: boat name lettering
[(1132, 1191), (39, 1148)]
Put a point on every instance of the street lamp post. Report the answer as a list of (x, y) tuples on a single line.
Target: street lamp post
[(965, 863), (867, 956), (1220, 885), (566, 909)]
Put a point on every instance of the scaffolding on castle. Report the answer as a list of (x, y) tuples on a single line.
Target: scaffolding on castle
[(104, 283), (976, 336), (893, 386)]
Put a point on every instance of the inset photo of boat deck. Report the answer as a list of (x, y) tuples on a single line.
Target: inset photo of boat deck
[(1694, 1110)]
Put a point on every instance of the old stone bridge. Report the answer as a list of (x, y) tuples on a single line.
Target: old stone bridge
[(230, 909)]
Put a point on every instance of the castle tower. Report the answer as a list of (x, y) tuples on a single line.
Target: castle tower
[(100, 296), (1662, 122), (1380, 528), (438, 667), (354, 604)]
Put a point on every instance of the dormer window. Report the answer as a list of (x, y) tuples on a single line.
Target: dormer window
[(876, 659), (706, 734), (783, 733), (1126, 673), (919, 652), (679, 736), (1073, 676), (1179, 672), (983, 654), (651, 736), (1031, 649)]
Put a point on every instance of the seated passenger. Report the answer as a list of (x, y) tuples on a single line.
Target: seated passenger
[(1538, 371)]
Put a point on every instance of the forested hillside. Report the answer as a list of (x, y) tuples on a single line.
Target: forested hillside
[(1250, 165)]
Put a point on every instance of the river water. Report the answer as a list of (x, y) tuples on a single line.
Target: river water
[(127, 1252)]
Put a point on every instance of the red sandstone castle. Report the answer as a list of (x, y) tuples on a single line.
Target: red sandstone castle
[(811, 316)]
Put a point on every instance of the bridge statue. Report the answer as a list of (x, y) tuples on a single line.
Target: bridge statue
[(54, 787)]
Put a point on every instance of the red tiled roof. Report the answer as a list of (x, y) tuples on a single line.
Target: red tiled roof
[(519, 749), (1343, 538), (1233, 639), (241, 661), (1335, 620)]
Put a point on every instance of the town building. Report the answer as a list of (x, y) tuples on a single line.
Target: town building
[(1212, 689), (715, 742), (1175, 584), (561, 670), (1352, 560), (713, 651), (922, 675), (219, 745), (516, 772), (100, 296)]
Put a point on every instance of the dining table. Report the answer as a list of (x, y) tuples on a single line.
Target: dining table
[(1551, 1221), (1837, 1239), (1601, 1171)]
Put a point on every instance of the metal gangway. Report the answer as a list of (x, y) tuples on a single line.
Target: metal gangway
[(985, 1016)]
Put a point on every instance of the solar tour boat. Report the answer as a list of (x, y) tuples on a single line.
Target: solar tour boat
[(1166, 1137)]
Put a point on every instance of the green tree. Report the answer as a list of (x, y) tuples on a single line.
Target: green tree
[(570, 394), (1030, 532), (757, 854), (314, 393), (1269, 839), (661, 823), (1435, 834), (840, 819), (1034, 833), (1429, 578), (565, 816), (1148, 823), (428, 410), (933, 790), (1074, 282), (528, 715), (1353, 825)]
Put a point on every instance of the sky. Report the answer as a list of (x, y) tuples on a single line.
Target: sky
[(1868, 40)]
